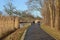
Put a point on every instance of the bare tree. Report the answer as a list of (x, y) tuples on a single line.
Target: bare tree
[(9, 8), (35, 4)]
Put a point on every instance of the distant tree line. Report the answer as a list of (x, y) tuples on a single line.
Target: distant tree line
[(11, 10), (50, 10)]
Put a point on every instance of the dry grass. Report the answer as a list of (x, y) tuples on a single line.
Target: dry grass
[(17, 34), (52, 32), (6, 30), (7, 25)]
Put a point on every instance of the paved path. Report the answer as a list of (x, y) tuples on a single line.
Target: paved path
[(36, 33)]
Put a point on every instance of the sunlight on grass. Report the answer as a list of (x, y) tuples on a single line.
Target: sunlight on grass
[(17, 34), (51, 32)]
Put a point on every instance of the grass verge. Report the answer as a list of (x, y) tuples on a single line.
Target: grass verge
[(16, 35), (51, 32)]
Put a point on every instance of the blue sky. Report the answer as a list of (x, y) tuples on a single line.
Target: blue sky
[(19, 4)]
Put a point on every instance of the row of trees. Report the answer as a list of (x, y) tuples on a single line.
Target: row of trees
[(50, 10), (11, 10), (51, 13)]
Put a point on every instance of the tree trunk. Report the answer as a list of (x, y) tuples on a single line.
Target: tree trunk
[(57, 20)]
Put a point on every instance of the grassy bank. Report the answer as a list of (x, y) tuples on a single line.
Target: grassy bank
[(17, 34), (52, 32)]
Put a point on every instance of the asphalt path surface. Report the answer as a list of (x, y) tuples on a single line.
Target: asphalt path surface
[(34, 32)]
